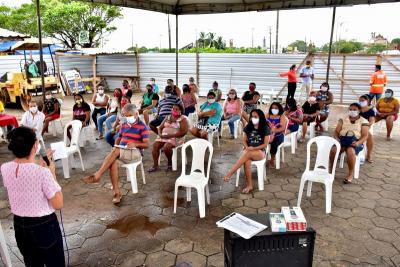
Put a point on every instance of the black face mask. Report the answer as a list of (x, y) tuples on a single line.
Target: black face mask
[(149, 91)]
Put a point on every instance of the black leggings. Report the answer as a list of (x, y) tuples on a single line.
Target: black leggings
[(96, 111), (291, 90), (40, 241)]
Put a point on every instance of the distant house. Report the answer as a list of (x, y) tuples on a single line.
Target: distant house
[(378, 39)]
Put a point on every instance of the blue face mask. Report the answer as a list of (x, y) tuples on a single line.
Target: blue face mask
[(388, 95)]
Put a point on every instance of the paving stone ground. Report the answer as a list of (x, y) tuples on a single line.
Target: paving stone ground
[(363, 228)]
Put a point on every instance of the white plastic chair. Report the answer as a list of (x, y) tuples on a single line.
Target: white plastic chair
[(280, 150), (310, 130), (357, 165), (197, 177), (55, 126), (289, 141), (5, 254), (131, 174), (174, 157), (72, 146), (211, 133), (238, 127), (261, 173), (320, 174), (87, 134), (193, 119)]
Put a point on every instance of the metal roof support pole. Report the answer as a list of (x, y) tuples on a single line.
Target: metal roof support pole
[(330, 44), (39, 22), (277, 33), (176, 48)]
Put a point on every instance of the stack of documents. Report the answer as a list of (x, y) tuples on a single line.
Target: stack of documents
[(241, 225)]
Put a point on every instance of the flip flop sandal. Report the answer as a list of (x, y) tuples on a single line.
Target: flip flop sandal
[(90, 180), (345, 181), (116, 199), (246, 191), (152, 169), (100, 137)]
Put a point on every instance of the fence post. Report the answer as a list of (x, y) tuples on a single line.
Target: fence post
[(197, 68), (341, 82)]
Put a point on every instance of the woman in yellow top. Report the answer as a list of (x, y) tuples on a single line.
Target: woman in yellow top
[(351, 132), (387, 109)]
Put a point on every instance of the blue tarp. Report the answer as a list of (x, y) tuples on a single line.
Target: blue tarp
[(6, 45)]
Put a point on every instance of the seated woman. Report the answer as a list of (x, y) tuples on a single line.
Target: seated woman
[(134, 136), (324, 99), (232, 111), (387, 109), (294, 114), (80, 112), (256, 136), (277, 122), (311, 110), (351, 132), (100, 102), (189, 100), (112, 109), (112, 135), (126, 87), (51, 110), (171, 131), (209, 117), (368, 113), (149, 103), (250, 99)]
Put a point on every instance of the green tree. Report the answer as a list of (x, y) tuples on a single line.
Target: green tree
[(65, 20), (4, 14), (211, 39), (376, 48), (344, 47), (300, 44), (202, 39), (220, 43), (395, 41)]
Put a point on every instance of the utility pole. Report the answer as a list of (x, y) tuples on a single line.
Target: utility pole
[(252, 37), (330, 44), (169, 34), (277, 32), (270, 39), (39, 23), (131, 35), (159, 48)]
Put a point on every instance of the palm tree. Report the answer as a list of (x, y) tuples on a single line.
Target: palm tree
[(211, 39), (220, 43), (202, 39)]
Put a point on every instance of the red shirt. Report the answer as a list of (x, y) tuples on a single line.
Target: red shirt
[(291, 74)]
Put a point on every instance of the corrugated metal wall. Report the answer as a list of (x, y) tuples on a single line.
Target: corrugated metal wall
[(12, 63), (232, 70)]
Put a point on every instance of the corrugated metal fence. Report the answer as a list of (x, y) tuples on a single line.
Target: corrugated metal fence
[(233, 70)]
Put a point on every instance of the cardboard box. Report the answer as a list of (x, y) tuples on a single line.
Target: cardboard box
[(277, 221), (294, 217)]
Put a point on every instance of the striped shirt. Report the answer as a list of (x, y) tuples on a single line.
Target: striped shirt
[(165, 105), (133, 133)]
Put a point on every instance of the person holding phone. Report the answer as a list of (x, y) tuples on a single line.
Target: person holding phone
[(34, 195)]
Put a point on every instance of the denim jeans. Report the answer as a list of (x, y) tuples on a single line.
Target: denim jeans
[(110, 138), (109, 122), (96, 111), (231, 123), (275, 143), (39, 240)]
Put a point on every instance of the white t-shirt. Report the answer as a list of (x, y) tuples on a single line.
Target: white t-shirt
[(36, 122), (307, 71)]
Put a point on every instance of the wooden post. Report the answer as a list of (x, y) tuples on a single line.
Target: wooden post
[(341, 82), (94, 69), (137, 70)]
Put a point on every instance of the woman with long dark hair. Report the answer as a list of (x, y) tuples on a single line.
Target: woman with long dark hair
[(292, 81), (255, 140), (34, 196), (277, 121)]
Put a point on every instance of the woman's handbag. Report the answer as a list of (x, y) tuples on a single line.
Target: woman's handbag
[(129, 155)]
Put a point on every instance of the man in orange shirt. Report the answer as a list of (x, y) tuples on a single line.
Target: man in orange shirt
[(378, 82)]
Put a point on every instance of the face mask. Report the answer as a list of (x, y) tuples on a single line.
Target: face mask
[(232, 96), (78, 101), (175, 113), (167, 95), (33, 109), (101, 92), (151, 82), (308, 66), (48, 97), (122, 119), (117, 94), (130, 119), (388, 95), (124, 102), (324, 88), (255, 121), (353, 113), (275, 111), (312, 99), (363, 103), (211, 100), (149, 91), (252, 88)]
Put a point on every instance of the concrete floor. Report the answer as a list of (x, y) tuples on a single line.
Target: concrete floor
[(363, 228)]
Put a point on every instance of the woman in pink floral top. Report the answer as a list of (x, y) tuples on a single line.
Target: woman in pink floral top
[(34, 195)]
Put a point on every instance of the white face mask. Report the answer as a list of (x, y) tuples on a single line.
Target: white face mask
[(255, 121), (363, 104), (151, 82), (167, 95), (275, 111), (388, 95), (101, 92), (312, 99), (131, 119), (353, 113), (48, 97), (33, 109), (232, 96), (324, 88), (122, 119), (210, 101)]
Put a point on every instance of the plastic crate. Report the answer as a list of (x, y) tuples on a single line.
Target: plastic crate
[(268, 248)]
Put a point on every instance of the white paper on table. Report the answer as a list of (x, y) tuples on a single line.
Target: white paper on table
[(241, 225), (59, 149)]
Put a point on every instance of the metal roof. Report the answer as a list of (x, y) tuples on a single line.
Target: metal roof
[(31, 44), (182, 7), (6, 35)]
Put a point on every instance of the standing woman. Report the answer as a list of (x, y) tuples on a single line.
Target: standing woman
[(368, 113), (277, 122), (255, 140), (292, 81), (100, 102), (34, 195)]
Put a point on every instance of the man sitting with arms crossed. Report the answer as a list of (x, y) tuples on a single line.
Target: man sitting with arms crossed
[(134, 136)]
